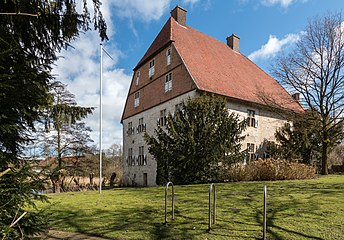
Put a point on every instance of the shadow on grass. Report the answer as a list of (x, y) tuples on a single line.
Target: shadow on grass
[(141, 223), (275, 212)]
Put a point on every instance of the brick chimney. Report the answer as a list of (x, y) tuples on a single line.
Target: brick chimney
[(233, 41), (179, 14)]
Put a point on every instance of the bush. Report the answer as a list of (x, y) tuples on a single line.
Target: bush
[(269, 170)]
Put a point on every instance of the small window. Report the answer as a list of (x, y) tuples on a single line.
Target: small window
[(130, 130), (137, 78), (168, 56), (178, 107), (141, 127), (151, 68), (137, 99), (130, 160), (168, 82), (250, 151), (162, 121), (251, 120), (142, 158)]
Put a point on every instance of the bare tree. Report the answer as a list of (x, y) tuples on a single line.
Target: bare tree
[(314, 68)]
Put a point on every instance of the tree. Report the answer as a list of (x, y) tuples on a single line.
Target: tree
[(198, 141), (69, 136), (299, 140), (32, 33), (314, 68)]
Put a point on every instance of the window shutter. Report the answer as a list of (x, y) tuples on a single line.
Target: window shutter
[(145, 160)]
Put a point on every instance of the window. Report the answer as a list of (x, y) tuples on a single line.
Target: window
[(130, 160), (162, 121), (251, 121), (130, 130), (151, 68), (168, 56), (137, 99), (142, 158), (141, 127), (137, 78), (168, 82), (179, 107), (250, 151)]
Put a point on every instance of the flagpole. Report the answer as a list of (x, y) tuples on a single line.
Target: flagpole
[(100, 119)]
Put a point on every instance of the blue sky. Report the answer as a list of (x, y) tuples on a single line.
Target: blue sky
[(265, 28)]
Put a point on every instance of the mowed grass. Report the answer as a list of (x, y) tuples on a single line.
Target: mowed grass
[(308, 209)]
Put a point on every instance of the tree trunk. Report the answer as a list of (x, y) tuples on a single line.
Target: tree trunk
[(55, 180), (324, 170)]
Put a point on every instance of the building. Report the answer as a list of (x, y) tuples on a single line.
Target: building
[(180, 63)]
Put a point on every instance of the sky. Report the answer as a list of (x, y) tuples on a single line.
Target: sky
[(265, 27)]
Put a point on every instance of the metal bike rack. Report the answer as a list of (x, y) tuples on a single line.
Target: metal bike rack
[(214, 206), (166, 193), (264, 214)]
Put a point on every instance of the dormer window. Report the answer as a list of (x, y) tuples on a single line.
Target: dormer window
[(168, 56), (137, 99), (137, 80), (168, 82), (151, 68)]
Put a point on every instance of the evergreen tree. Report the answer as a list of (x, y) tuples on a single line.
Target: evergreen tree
[(68, 136), (32, 33), (198, 142), (301, 140)]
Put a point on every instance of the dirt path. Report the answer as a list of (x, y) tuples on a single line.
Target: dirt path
[(55, 235)]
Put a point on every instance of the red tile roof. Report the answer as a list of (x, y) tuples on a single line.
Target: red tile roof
[(217, 68)]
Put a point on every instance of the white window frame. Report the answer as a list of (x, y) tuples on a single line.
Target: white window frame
[(168, 56), (137, 99), (162, 121), (137, 79), (251, 118), (168, 82), (151, 70), (251, 151)]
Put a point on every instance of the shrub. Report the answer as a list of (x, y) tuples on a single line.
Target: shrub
[(269, 170)]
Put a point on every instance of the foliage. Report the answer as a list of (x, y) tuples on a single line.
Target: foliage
[(17, 191), (298, 209), (314, 68), (32, 33), (69, 136), (270, 170), (300, 140), (337, 155), (197, 142)]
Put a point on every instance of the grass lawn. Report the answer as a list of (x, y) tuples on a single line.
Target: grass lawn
[(309, 209)]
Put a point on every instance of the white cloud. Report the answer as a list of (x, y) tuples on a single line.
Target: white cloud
[(283, 3), (191, 2), (78, 67), (145, 10), (80, 70), (273, 46)]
